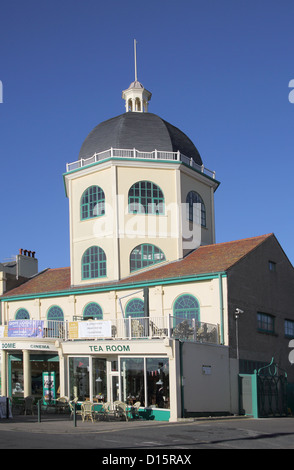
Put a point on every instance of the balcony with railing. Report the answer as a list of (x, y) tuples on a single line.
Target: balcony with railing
[(136, 154), (117, 329)]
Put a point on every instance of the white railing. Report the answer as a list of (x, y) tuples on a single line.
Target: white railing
[(117, 329), (133, 153)]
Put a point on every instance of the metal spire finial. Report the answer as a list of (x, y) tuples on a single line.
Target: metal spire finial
[(135, 56)]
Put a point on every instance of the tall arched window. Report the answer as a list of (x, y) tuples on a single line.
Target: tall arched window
[(145, 197), (186, 307), (93, 263), (135, 308), (92, 203), (55, 319), (22, 314), (93, 310), (145, 255), (195, 208)]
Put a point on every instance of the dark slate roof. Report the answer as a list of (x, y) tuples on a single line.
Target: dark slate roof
[(145, 132), (206, 259)]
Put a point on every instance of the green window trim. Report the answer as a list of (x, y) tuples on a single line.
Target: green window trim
[(55, 313), (135, 308), (186, 307), (145, 255), (145, 197), (22, 314), (93, 310), (94, 263), (92, 203), (193, 210)]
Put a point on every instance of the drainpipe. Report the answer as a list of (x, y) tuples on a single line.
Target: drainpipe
[(182, 380), (221, 306)]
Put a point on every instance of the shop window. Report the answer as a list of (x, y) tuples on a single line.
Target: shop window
[(79, 378), (22, 314), (154, 372), (38, 365), (92, 203), (93, 311), (145, 255), (93, 263), (145, 197), (157, 382), (99, 379), (132, 376), (196, 211)]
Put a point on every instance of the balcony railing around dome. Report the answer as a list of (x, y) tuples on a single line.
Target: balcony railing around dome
[(117, 329), (137, 154)]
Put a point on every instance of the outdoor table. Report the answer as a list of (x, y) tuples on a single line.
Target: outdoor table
[(3, 408)]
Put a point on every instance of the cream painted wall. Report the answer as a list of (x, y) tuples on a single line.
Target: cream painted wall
[(193, 182), (161, 302), (118, 232)]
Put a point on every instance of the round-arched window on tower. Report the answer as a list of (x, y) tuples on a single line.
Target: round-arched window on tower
[(145, 197), (93, 263), (145, 255)]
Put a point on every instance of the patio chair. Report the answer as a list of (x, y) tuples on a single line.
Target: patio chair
[(71, 408), (88, 411), (62, 404), (135, 410), (121, 410), (104, 411), (29, 405)]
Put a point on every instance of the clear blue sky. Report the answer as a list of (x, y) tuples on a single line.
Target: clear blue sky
[(218, 70)]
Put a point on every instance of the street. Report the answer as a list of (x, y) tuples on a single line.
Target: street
[(127, 437)]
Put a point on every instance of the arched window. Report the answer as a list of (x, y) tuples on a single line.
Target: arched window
[(145, 197), (55, 319), (186, 307), (93, 263), (93, 310), (195, 208), (55, 313), (92, 203), (145, 255), (135, 308), (22, 314)]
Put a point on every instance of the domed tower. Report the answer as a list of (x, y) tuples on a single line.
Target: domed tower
[(139, 195)]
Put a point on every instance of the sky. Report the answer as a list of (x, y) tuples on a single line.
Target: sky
[(218, 69)]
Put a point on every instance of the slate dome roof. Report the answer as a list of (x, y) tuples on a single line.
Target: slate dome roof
[(145, 132)]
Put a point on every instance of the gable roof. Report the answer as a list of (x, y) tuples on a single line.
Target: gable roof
[(206, 259)]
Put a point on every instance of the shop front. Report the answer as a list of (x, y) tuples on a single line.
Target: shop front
[(131, 372), (24, 364)]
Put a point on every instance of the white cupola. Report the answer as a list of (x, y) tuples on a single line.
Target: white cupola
[(136, 96)]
